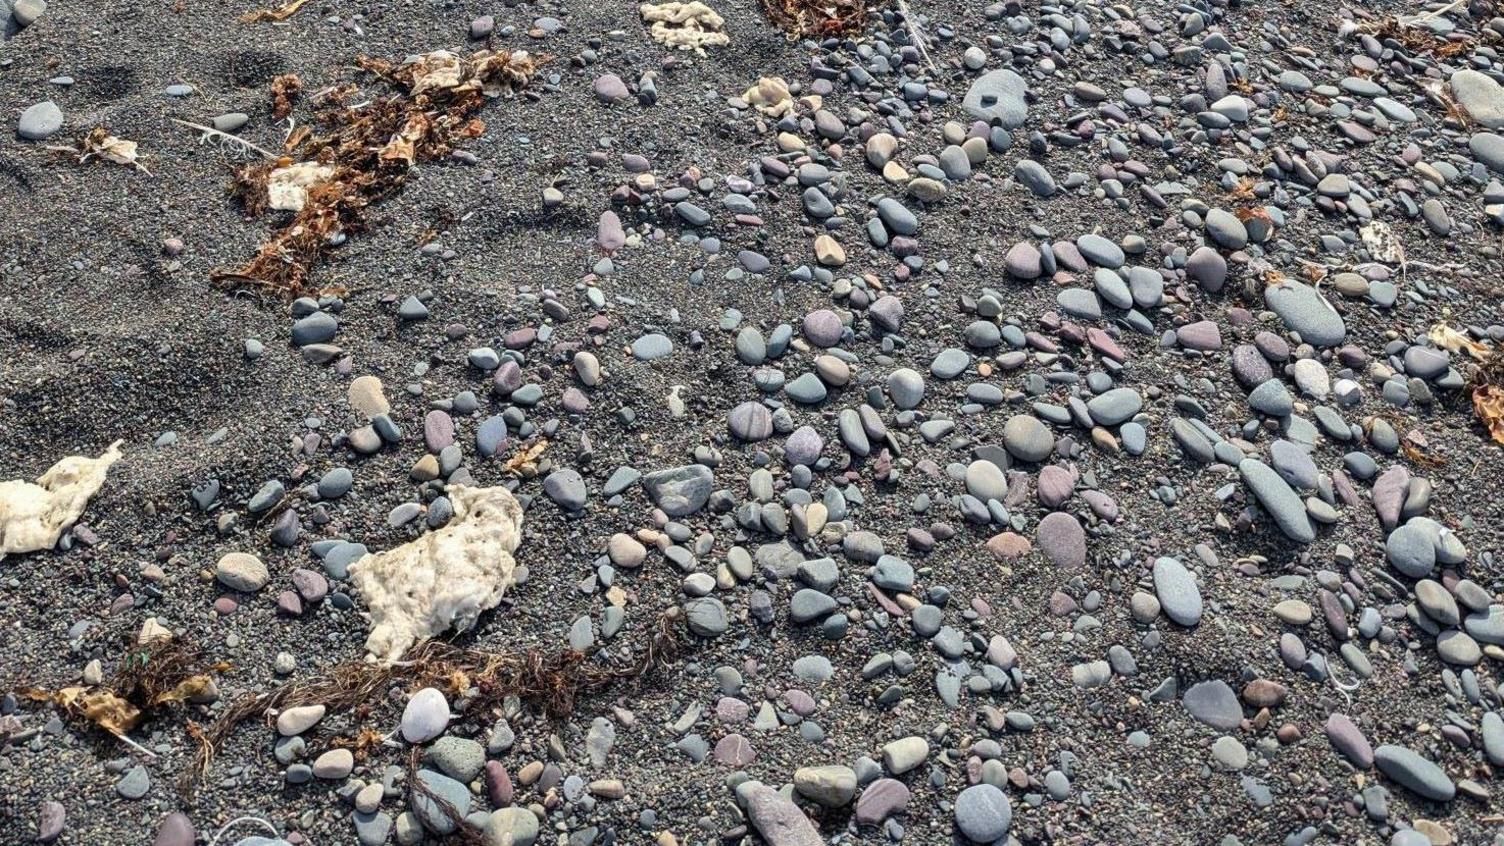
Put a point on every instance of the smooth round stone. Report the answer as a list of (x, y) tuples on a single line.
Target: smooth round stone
[(986, 481), (336, 483), (803, 446), (26, 12), (904, 754), (652, 346), (813, 669), (983, 813), (429, 812), (751, 421), (1437, 602), (906, 387), (1348, 740), (1294, 612), (1115, 406), (1214, 703), (334, 764), (1226, 229), (1307, 313), (1207, 268), (1100, 250), (242, 571), (425, 717), (566, 488), (1278, 499), (40, 121), (808, 389), (515, 826), (1411, 551), (1062, 540), (1458, 649), (1025, 437), (176, 830), (881, 799), (822, 327), (491, 436), (1079, 303), (832, 786), (1229, 753), (949, 363), (315, 328), (135, 784)]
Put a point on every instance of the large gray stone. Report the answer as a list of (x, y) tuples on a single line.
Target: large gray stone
[(1480, 96), (1178, 593), (998, 96), (1306, 312), (779, 820), (1408, 768), (680, 491)]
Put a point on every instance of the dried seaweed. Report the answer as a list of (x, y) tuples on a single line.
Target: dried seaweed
[(285, 92), (418, 788), (549, 680), (101, 145), (369, 152), (157, 673), (817, 18), (1486, 387), (281, 13)]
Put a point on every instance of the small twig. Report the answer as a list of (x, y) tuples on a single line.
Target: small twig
[(150, 755), (914, 34), (1430, 16), (224, 137)]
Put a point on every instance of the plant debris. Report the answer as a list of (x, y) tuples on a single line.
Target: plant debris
[(1486, 382), (1452, 340), (156, 672), (360, 155), (524, 462), (549, 680), (100, 144), (687, 26), (286, 89), (281, 13), (817, 18)]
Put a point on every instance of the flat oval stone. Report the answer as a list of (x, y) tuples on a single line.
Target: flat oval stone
[(1408, 768), (1177, 591)]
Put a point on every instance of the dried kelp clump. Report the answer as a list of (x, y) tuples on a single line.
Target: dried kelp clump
[(355, 155), (156, 673), (550, 680), (817, 18)]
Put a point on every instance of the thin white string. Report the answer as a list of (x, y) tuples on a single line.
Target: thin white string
[(237, 821)]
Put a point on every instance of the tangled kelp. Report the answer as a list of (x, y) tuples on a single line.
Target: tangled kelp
[(353, 156)]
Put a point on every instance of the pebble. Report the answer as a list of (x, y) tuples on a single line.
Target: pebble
[(1409, 769), (40, 121), (425, 716), (1214, 703), (983, 813), (242, 571), (1177, 592)]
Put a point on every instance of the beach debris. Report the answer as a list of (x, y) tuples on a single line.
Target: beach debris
[(444, 579), (686, 26), (361, 153), (34, 514)]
